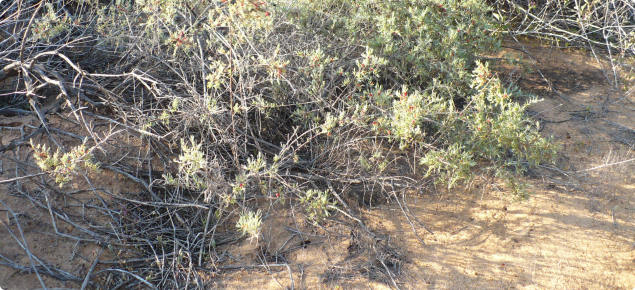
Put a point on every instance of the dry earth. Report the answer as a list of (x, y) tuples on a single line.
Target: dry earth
[(576, 230)]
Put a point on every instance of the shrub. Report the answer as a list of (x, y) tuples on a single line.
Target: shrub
[(391, 71), (63, 166), (317, 203), (249, 223), (259, 101)]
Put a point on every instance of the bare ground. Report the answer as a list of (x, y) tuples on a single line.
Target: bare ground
[(576, 230)]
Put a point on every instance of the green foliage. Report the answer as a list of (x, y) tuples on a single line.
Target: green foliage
[(424, 40), (341, 76), (491, 128), (407, 79), (249, 223), (316, 204), (191, 163), (52, 24), (64, 166)]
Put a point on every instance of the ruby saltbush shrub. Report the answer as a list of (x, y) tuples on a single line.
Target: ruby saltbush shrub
[(343, 75), (276, 97), (320, 86), (244, 103)]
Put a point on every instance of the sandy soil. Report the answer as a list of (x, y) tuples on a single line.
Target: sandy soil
[(575, 231)]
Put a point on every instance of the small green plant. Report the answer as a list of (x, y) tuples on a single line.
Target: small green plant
[(51, 24), (63, 166), (317, 204), (191, 162), (490, 129), (249, 223)]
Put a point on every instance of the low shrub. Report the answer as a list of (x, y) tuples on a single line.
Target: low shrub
[(267, 101)]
